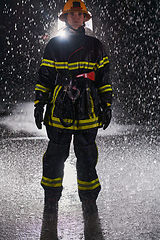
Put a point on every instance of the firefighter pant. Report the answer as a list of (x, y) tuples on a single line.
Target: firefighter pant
[(58, 151)]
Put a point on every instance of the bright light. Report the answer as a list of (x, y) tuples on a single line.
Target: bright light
[(89, 24), (61, 27), (61, 33), (61, 24)]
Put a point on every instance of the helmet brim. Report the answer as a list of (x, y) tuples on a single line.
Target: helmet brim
[(87, 17)]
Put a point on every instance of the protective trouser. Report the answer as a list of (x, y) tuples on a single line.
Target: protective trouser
[(53, 166), (57, 152), (88, 182)]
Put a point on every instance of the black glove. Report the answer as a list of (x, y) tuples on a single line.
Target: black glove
[(106, 117), (38, 114)]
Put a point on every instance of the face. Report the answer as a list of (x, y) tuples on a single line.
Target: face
[(75, 19)]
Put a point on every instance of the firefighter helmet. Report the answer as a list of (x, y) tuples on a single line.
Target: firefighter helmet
[(74, 6)]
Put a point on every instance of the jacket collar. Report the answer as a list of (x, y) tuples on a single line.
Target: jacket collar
[(80, 31)]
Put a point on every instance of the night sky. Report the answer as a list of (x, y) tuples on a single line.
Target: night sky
[(129, 31)]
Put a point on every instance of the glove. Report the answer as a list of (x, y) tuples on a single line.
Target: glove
[(106, 117), (38, 114)]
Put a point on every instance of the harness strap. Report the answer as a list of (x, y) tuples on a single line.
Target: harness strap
[(63, 80), (66, 124), (73, 94), (90, 75)]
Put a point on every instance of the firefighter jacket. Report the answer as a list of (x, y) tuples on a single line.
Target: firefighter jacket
[(73, 80)]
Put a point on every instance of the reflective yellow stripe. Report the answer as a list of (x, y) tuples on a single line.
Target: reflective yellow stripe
[(61, 65), (103, 62), (88, 185), (42, 88), (55, 94), (37, 101), (48, 63), (57, 182), (43, 156), (106, 88), (78, 125), (92, 108), (89, 188), (97, 152), (66, 65), (77, 65)]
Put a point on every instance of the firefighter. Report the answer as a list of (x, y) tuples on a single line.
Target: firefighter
[(73, 84)]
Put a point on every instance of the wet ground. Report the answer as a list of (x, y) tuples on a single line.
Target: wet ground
[(128, 169)]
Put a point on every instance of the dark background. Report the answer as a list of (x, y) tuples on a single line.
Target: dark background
[(129, 30)]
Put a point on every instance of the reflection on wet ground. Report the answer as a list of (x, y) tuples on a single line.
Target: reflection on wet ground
[(129, 202), (49, 226), (92, 227)]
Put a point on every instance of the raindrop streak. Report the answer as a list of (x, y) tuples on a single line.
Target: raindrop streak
[(129, 31), (128, 154)]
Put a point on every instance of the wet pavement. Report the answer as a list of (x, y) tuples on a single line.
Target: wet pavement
[(128, 169)]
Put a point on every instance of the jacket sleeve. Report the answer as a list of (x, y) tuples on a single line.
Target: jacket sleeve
[(47, 75), (102, 82)]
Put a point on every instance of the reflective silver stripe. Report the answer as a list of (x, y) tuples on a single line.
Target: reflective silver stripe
[(57, 182), (105, 88), (82, 185)]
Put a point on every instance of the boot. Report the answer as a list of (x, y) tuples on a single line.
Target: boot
[(50, 203), (89, 207)]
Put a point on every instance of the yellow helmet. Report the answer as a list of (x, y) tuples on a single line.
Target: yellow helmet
[(74, 6)]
